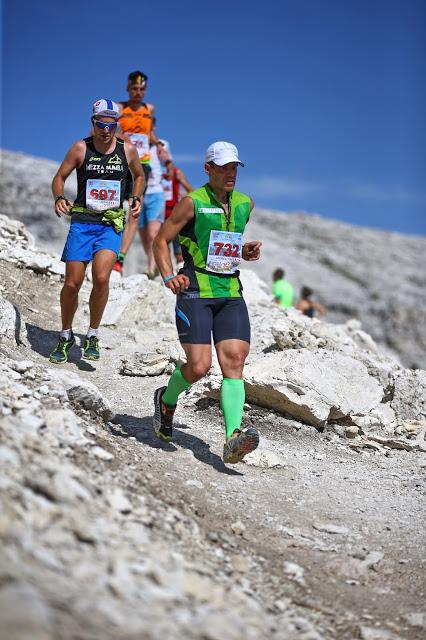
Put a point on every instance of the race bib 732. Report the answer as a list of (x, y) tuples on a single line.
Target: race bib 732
[(225, 251)]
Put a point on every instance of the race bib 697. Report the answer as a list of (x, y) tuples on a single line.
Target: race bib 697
[(102, 194)]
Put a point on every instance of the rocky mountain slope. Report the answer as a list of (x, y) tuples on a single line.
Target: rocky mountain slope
[(107, 534), (374, 276)]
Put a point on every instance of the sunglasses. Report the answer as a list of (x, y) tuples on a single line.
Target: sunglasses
[(104, 125)]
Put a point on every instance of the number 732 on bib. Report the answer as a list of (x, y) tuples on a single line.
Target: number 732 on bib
[(225, 251)]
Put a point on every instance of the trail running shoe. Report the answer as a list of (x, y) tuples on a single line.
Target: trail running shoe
[(118, 266), (163, 417), (91, 348), (242, 442), (60, 354)]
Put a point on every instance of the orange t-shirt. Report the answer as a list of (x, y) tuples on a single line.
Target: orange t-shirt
[(138, 126)]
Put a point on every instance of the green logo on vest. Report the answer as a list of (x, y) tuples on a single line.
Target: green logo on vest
[(115, 159)]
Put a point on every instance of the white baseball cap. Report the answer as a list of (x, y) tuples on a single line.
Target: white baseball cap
[(107, 108), (222, 152)]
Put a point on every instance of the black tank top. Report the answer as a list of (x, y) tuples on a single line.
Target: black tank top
[(101, 181)]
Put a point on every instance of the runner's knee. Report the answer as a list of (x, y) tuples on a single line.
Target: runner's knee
[(151, 234), (72, 285), (198, 370), (100, 280), (233, 360)]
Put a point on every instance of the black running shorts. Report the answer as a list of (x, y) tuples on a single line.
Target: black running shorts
[(198, 318)]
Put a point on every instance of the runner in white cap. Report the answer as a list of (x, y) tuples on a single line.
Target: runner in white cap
[(102, 162), (210, 222)]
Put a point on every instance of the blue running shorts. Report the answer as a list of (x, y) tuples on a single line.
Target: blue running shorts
[(85, 239), (153, 209)]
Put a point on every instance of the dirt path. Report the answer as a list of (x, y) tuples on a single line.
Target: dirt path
[(338, 533)]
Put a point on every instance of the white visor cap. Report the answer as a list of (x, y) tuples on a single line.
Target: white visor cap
[(222, 152), (107, 108)]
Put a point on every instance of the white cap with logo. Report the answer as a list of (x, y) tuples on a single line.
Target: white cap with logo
[(107, 108), (222, 152)]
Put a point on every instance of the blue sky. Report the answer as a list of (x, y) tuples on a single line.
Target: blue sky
[(325, 99)]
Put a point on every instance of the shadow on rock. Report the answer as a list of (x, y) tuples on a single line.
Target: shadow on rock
[(141, 429), (43, 341)]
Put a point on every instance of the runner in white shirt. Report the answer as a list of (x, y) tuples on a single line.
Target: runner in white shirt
[(153, 211)]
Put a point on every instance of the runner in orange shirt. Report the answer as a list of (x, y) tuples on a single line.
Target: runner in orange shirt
[(136, 126)]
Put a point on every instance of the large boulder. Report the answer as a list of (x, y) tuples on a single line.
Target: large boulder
[(312, 386), (29, 180), (153, 360), (81, 393), (17, 246), (293, 330), (138, 301)]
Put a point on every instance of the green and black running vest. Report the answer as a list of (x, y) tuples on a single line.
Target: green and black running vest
[(209, 215), (100, 167)]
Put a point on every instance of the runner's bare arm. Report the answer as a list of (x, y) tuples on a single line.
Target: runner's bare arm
[(183, 181), (320, 308), (138, 178), (169, 170), (181, 215), (73, 160), (302, 305), (251, 250), (153, 139)]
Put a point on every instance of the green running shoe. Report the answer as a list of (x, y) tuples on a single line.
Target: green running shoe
[(91, 348), (242, 442), (60, 353)]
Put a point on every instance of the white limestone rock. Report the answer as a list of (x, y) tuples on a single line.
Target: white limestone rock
[(380, 418), (118, 500), (12, 328), (154, 360), (138, 301), (265, 457), (37, 261), (82, 393), (295, 331), (65, 426), (255, 290), (312, 386), (21, 366), (409, 394), (17, 245), (24, 613)]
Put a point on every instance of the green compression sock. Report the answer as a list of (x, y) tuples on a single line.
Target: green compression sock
[(232, 398), (121, 257), (177, 384)]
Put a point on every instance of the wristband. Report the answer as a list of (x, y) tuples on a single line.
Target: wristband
[(166, 280), (136, 198), (60, 198)]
